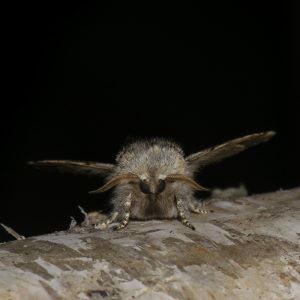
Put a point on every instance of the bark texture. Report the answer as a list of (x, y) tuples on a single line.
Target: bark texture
[(248, 248)]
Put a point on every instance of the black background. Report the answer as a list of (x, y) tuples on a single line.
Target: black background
[(81, 79)]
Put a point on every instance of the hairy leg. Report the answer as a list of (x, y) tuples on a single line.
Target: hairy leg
[(110, 220), (123, 211), (126, 213), (181, 213), (197, 208)]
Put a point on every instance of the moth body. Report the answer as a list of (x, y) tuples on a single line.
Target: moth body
[(152, 179), (152, 161)]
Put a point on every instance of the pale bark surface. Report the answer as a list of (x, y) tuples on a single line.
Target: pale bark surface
[(248, 248)]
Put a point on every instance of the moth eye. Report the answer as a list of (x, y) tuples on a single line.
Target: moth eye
[(161, 186), (144, 187)]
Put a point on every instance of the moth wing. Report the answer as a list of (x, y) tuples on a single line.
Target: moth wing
[(230, 148), (76, 167)]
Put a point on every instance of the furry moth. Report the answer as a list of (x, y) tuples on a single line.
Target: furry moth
[(152, 179)]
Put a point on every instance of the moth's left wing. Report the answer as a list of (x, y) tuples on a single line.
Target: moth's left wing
[(230, 148), (75, 167)]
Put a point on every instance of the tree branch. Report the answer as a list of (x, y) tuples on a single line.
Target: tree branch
[(247, 249)]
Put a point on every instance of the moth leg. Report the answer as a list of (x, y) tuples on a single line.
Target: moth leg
[(127, 205), (123, 223), (110, 220), (201, 211), (181, 214), (197, 208)]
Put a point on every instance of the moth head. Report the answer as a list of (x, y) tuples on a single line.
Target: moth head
[(152, 187)]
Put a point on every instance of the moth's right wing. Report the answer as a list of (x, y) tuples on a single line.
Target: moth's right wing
[(217, 153), (75, 167)]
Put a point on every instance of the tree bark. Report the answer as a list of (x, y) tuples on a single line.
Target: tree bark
[(248, 248)]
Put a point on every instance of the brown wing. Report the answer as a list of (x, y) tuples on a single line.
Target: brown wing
[(232, 147), (76, 167)]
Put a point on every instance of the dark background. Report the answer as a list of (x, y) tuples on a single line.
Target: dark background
[(82, 79)]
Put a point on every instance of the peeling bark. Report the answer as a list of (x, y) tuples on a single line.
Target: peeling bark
[(249, 248)]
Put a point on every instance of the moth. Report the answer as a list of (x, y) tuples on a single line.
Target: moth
[(153, 179)]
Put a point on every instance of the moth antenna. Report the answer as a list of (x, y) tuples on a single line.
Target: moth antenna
[(187, 180), (114, 181)]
